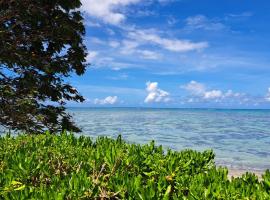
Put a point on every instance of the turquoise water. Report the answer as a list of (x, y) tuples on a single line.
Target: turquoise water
[(240, 138)]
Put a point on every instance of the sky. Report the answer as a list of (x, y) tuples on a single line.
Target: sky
[(176, 53)]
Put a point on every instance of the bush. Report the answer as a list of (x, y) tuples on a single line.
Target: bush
[(66, 167)]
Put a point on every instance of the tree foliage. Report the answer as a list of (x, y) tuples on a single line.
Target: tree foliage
[(41, 44)]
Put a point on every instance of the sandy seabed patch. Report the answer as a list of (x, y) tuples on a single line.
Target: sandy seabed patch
[(239, 172)]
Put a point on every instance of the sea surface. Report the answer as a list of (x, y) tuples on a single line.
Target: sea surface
[(239, 138)]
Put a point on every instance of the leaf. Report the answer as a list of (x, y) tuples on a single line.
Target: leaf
[(20, 188), (168, 192), (150, 173), (16, 183)]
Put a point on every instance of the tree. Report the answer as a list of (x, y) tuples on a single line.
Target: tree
[(41, 44)]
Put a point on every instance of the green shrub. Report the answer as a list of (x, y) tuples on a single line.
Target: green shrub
[(66, 167)]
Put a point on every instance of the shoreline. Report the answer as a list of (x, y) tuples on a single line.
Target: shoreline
[(233, 172)]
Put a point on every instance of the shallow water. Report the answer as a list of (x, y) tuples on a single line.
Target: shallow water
[(240, 138)]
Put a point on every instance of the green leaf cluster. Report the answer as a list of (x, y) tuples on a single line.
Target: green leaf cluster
[(68, 167)]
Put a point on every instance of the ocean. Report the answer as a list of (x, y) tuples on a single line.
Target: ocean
[(239, 138)]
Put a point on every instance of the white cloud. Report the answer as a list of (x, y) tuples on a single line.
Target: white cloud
[(100, 60), (111, 63), (149, 54), (155, 94), (230, 93), (171, 21), (114, 44), (195, 88), (202, 22), (114, 91), (91, 56), (121, 76), (267, 98), (96, 40), (110, 31), (93, 24), (129, 47), (240, 15), (200, 91), (166, 1), (141, 38), (110, 100), (213, 94), (107, 10), (175, 45)]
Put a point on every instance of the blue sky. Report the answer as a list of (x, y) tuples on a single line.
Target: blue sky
[(177, 53)]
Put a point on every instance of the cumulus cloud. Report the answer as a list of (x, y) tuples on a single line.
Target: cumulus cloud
[(213, 94), (107, 10), (155, 94), (175, 45), (195, 88), (110, 100), (200, 91), (230, 93)]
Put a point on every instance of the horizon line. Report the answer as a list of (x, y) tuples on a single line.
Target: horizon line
[(188, 108)]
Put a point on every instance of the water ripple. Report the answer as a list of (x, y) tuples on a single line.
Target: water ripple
[(240, 138)]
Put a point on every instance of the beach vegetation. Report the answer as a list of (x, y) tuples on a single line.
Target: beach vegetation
[(66, 166)]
